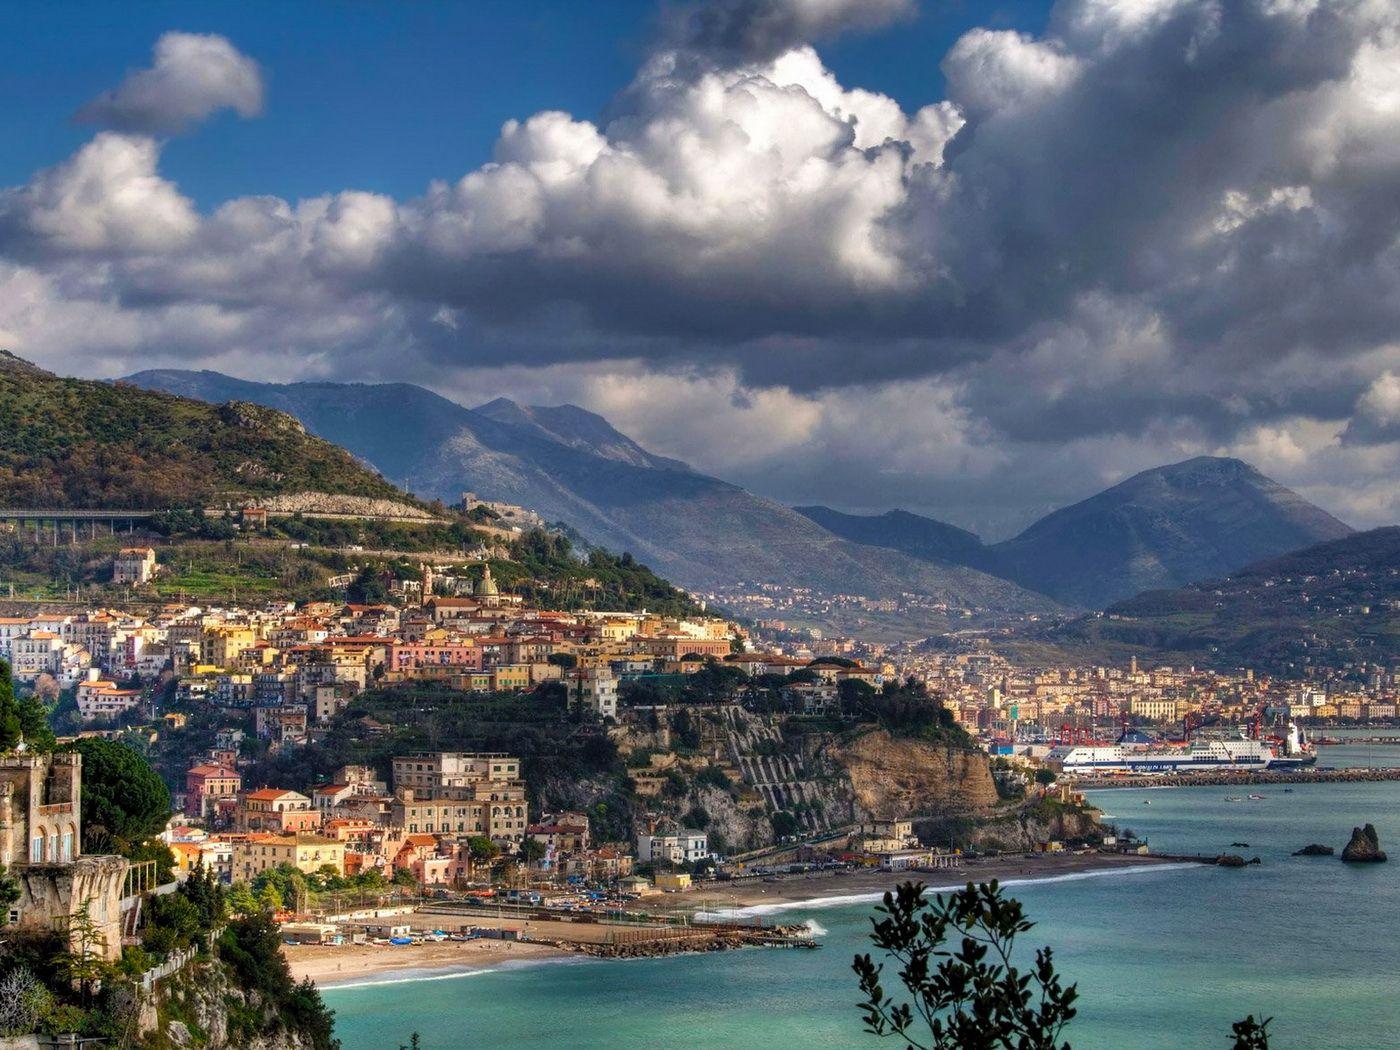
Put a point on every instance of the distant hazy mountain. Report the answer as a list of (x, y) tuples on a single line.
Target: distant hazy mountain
[(1328, 605), (913, 534), (579, 429), (572, 466), (1166, 527)]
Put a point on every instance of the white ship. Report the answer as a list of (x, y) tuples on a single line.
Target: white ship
[(1239, 754)]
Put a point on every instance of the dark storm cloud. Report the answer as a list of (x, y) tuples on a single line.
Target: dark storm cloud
[(1174, 225)]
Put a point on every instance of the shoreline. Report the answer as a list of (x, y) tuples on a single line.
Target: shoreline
[(355, 966), (812, 888), (349, 966)]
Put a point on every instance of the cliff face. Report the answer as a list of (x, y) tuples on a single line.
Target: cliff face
[(203, 1009), (1040, 821), (893, 778)]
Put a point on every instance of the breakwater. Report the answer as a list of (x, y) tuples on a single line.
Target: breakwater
[(1239, 778)]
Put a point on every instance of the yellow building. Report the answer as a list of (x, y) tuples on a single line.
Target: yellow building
[(220, 644), (308, 853), (511, 676)]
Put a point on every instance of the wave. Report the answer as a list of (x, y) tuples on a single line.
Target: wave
[(424, 974), (874, 896), (405, 977)]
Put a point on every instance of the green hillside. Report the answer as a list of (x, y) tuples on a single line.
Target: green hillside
[(74, 443), (1331, 605)]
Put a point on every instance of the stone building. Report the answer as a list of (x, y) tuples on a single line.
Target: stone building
[(134, 565), (41, 845)]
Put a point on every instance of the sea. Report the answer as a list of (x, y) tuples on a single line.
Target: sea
[(1164, 957)]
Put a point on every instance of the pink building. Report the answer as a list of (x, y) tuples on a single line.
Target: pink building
[(407, 657)]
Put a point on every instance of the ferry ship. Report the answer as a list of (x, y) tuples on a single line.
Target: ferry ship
[(1240, 754)]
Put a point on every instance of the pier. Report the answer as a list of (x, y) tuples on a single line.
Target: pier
[(1240, 778), (618, 934)]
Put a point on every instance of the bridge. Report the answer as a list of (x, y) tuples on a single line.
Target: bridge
[(56, 521)]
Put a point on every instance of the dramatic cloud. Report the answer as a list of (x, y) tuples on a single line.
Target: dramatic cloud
[(1156, 229), (735, 32), (193, 76)]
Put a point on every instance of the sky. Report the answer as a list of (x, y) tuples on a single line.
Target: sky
[(975, 260)]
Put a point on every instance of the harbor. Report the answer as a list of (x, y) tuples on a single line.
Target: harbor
[(1235, 778)]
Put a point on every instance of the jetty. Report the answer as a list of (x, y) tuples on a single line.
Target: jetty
[(1237, 778), (614, 933)]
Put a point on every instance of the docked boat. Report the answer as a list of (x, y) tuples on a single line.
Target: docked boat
[(1199, 755)]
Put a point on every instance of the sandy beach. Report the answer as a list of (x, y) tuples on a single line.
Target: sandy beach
[(347, 964)]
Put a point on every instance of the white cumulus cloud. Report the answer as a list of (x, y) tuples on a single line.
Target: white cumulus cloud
[(192, 76)]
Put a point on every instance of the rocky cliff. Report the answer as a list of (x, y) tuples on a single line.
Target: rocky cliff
[(204, 1009), (1041, 820), (894, 778)]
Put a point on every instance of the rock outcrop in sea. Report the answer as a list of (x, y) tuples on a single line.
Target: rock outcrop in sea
[(1364, 847), (1315, 849)]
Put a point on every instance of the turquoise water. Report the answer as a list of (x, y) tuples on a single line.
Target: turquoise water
[(1164, 958)]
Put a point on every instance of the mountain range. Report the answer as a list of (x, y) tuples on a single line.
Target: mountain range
[(572, 466), (1162, 528)]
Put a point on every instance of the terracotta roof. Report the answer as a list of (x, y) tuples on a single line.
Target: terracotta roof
[(209, 770), (269, 794)]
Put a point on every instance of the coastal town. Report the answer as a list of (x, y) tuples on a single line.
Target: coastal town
[(403, 764)]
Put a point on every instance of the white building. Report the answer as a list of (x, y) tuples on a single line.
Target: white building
[(100, 698), (683, 846), (593, 688)]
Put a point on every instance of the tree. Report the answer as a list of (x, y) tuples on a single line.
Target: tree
[(784, 824), (972, 998), (532, 851), (24, 1001), (9, 894), (10, 728), (83, 964), (34, 724), (124, 801), (269, 899), (241, 900), (1045, 777), (482, 848)]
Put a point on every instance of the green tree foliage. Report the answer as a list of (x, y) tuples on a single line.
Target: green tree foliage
[(290, 884), (251, 948), (954, 956), (368, 588), (83, 964), (172, 923), (124, 801), (482, 848), (207, 894), (9, 894), (546, 568), (81, 443), (241, 900), (10, 728), (785, 824)]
